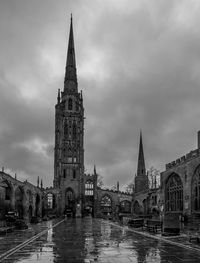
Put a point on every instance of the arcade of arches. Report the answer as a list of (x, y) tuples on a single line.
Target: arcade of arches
[(23, 198)]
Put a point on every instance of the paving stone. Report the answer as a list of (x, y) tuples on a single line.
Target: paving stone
[(97, 241)]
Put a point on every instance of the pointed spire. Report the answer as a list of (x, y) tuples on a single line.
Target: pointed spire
[(95, 169), (41, 184), (38, 181), (70, 71), (141, 163)]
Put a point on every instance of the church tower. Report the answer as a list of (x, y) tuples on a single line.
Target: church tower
[(141, 179), (69, 136)]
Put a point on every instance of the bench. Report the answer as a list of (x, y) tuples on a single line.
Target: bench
[(154, 225), (194, 238), (137, 222), (5, 228)]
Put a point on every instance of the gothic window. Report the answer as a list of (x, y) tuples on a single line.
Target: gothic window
[(136, 207), (74, 131), (64, 173), (74, 174), (70, 104), (89, 188), (77, 106), (125, 206), (8, 192), (174, 194), (50, 200), (196, 190), (106, 205)]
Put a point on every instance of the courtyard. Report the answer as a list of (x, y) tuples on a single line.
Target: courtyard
[(89, 240)]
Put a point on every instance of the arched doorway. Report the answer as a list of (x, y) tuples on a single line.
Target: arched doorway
[(196, 190), (19, 201), (145, 207), (136, 207), (174, 194), (30, 211), (106, 206), (6, 202), (70, 208), (125, 206)]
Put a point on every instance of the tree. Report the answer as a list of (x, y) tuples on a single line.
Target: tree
[(100, 181), (129, 188), (154, 177)]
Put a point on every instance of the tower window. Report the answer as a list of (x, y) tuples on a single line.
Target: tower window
[(74, 173), (64, 173), (70, 104)]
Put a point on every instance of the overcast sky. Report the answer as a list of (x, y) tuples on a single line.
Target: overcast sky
[(138, 64)]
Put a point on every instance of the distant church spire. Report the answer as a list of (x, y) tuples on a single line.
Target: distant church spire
[(70, 70), (141, 163), (141, 179)]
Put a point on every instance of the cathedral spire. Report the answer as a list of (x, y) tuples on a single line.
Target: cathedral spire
[(141, 162), (70, 70)]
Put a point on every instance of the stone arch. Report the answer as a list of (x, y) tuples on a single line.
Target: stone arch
[(8, 197), (145, 206), (174, 193), (125, 206), (70, 201), (37, 204), (30, 211), (19, 196), (106, 205), (195, 190), (136, 207)]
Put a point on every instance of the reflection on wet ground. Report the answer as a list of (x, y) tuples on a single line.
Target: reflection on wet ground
[(94, 240)]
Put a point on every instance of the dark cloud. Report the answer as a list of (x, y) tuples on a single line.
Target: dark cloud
[(138, 66)]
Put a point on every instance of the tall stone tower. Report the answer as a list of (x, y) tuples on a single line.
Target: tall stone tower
[(141, 179), (69, 136)]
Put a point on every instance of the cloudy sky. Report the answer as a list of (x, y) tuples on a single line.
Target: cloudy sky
[(138, 64)]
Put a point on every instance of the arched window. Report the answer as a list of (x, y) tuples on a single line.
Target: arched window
[(106, 205), (196, 190), (136, 207), (174, 194), (89, 188), (125, 206), (70, 104), (50, 200)]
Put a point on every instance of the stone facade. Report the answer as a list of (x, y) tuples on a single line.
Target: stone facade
[(180, 192)]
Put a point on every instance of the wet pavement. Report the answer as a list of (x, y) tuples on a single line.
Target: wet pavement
[(93, 240)]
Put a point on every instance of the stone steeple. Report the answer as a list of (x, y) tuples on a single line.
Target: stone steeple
[(70, 69), (141, 162), (141, 179), (69, 137)]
